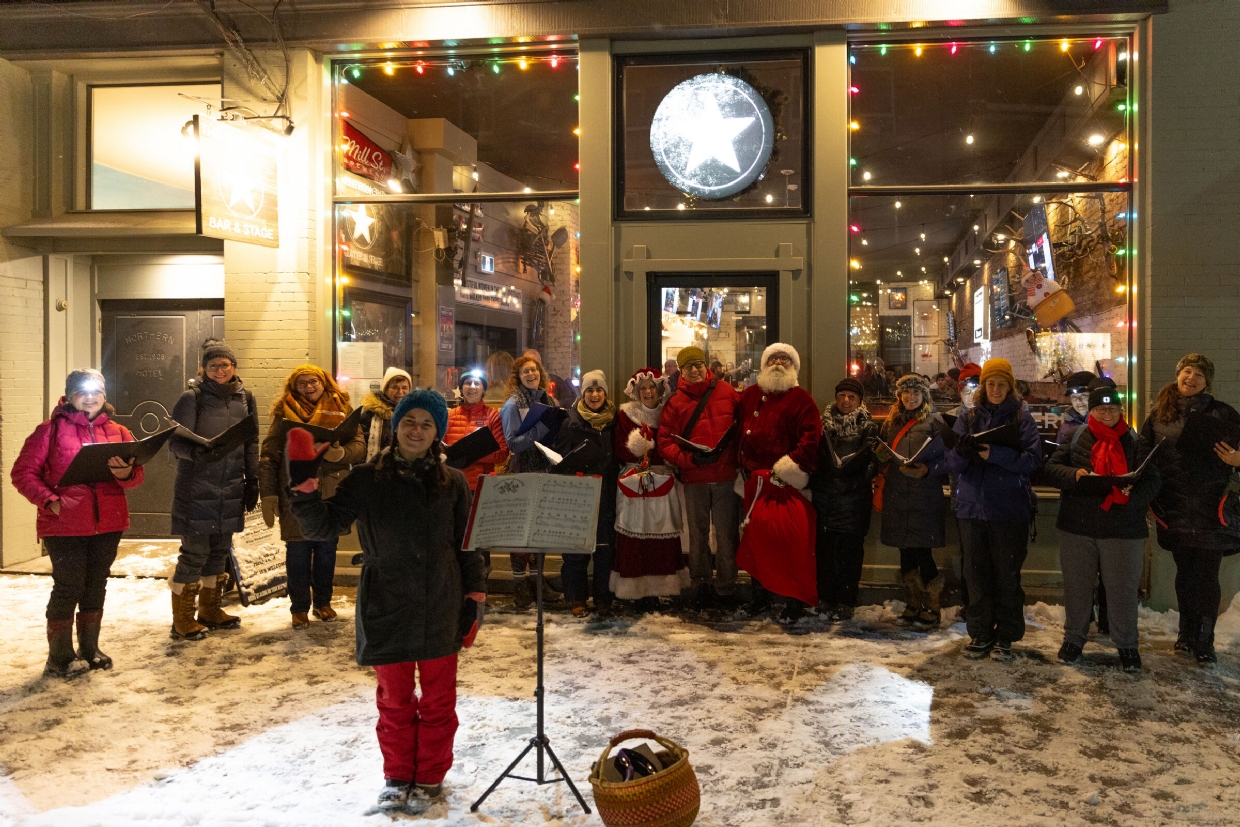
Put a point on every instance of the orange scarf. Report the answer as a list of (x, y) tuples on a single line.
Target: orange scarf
[(328, 412)]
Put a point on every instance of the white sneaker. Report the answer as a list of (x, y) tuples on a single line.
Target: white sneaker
[(394, 796)]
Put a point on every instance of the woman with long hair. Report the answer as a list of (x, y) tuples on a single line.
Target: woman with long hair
[(1187, 508), (912, 499), (310, 397), (81, 525), (419, 591)]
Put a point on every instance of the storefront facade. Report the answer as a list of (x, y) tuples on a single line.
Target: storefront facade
[(896, 194)]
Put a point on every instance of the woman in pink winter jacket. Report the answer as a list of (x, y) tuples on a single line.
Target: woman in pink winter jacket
[(81, 525)]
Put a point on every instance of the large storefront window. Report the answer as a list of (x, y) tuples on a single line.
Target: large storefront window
[(450, 283), (1013, 243)]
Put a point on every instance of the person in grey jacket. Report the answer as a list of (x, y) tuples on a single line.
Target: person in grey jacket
[(1105, 531), (213, 491)]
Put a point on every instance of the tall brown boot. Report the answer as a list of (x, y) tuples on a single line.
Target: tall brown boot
[(209, 612), (62, 661), (88, 625), (184, 627), (914, 595), (931, 608)]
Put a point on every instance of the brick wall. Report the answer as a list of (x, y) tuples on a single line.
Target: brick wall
[(21, 313)]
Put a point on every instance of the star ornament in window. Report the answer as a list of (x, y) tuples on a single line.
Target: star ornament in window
[(712, 136)]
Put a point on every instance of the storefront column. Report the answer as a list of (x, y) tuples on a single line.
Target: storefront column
[(598, 267), (277, 301), (21, 312)]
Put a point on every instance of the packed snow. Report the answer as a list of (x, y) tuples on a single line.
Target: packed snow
[(862, 722)]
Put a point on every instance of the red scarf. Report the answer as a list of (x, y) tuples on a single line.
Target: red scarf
[(1108, 457)]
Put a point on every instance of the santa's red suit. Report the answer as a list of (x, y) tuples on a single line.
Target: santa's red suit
[(777, 446)]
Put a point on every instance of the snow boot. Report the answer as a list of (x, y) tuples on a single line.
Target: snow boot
[(1204, 646), (427, 792), (522, 594), (88, 624), (931, 606), (1130, 660), (394, 795), (62, 661), (325, 613), (1070, 652), (1186, 640), (914, 595), (210, 592), (184, 627)]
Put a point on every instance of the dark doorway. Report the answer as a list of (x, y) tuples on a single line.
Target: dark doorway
[(730, 316), (150, 352)]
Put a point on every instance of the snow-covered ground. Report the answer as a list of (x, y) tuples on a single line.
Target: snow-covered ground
[(860, 723)]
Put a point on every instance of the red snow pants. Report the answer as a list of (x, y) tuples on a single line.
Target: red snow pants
[(416, 732)]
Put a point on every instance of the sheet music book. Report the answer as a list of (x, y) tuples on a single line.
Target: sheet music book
[(236, 434), (548, 415), (908, 460), (341, 434), (1101, 485), (1006, 435), (840, 461), (470, 448), (1200, 433), (580, 460), (706, 449), (91, 463), (534, 511)]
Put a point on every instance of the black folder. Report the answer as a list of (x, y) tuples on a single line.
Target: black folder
[(584, 459), (470, 448), (548, 415), (91, 463), (1200, 433), (1006, 435), (844, 461), (341, 434), (1100, 486), (239, 433)]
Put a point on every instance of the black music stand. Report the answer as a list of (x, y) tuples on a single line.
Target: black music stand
[(539, 742)]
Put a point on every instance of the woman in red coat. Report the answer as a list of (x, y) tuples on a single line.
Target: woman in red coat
[(471, 415), (648, 563), (81, 525)]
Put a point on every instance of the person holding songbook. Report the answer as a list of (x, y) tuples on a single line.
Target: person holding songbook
[(911, 498), (527, 388), (215, 487), (996, 448), (648, 560), (310, 397), (471, 415), (842, 496), (80, 525), (420, 596), (592, 419), (1102, 526), (1197, 462), (696, 437), (377, 410)]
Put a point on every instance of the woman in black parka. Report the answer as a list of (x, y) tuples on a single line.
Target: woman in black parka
[(1187, 506), (843, 498), (213, 491), (411, 512)]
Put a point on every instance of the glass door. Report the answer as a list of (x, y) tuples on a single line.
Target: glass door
[(730, 317)]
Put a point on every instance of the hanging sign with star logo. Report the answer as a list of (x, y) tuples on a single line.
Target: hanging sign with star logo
[(712, 136), (235, 182)]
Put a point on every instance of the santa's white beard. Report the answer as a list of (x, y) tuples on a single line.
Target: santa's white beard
[(777, 378)]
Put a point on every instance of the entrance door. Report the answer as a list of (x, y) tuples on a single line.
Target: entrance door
[(730, 316), (150, 352)]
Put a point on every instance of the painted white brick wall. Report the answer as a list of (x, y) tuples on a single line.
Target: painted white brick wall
[(21, 314)]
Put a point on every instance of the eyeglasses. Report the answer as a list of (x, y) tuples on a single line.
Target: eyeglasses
[(695, 366), (783, 358), (306, 384), (216, 367)]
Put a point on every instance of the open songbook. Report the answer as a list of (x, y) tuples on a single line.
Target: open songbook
[(1201, 432), (470, 448), (707, 449), (535, 511), (915, 458), (1101, 485), (1006, 435), (236, 434), (579, 460), (548, 415), (339, 435), (91, 463), (840, 461)]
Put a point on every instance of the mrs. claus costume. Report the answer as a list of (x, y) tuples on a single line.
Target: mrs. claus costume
[(648, 561), (778, 450)]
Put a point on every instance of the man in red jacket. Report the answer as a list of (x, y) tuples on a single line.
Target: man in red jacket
[(702, 411), (778, 432)]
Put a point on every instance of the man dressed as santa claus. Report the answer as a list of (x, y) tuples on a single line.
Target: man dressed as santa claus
[(779, 430)]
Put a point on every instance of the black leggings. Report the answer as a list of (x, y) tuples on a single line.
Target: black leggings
[(921, 559), (839, 557), (80, 568), (1197, 588)]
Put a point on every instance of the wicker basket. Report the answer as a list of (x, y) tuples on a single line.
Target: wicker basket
[(669, 798)]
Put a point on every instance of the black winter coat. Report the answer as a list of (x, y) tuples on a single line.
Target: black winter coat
[(913, 509), (843, 497), (572, 433), (414, 574), (1082, 513), (1186, 507), (207, 498)]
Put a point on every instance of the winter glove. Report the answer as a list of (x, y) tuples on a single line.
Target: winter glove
[(302, 459), (270, 504), (916, 471), (706, 457), (472, 612), (334, 453), (249, 495)]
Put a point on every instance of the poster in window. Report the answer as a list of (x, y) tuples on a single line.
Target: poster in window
[(447, 329), (979, 315), (381, 319), (373, 237), (897, 298)]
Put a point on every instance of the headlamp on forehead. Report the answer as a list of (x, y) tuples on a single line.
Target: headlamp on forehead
[(88, 387)]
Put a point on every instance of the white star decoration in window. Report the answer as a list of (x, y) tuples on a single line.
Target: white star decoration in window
[(712, 135)]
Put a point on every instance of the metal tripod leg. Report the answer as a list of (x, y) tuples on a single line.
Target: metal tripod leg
[(564, 775)]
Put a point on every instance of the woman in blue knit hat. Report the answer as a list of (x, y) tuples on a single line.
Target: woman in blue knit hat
[(418, 588)]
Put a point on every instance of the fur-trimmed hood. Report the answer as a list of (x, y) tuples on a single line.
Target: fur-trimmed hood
[(378, 405)]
